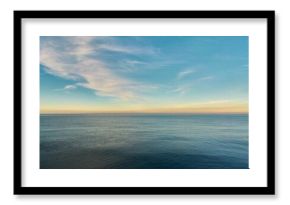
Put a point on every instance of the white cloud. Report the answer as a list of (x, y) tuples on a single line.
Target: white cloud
[(70, 58), (70, 87), (116, 48), (185, 73), (183, 89)]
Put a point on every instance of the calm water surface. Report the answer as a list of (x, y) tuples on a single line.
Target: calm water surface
[(112, 141)]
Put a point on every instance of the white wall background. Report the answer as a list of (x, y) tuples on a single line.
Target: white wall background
[(282, 98)]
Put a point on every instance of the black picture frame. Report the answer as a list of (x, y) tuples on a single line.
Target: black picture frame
[(269, 189)]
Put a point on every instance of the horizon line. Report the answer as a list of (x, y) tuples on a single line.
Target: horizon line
[(167, 113)]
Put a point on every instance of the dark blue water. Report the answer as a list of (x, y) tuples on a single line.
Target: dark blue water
[(112, 141)]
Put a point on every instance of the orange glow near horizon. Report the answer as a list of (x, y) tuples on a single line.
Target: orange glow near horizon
[(209, 107)]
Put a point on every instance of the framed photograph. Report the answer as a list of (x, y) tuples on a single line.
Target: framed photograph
[(144, 102)]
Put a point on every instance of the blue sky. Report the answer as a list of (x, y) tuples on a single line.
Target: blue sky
[(144, 74)]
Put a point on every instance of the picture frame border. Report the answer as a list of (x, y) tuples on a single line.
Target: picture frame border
[(269, 189)]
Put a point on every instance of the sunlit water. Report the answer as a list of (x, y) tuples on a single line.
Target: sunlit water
[(112, 141)]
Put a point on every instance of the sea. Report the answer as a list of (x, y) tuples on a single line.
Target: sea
[(144, 141)]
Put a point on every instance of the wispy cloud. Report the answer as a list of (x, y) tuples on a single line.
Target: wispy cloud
[(119, 49), (72, 58), (206, 78), (134, 62), (70, 87), (185, 73), (183, 89), (158, 63), (67, 88), (130, 65)]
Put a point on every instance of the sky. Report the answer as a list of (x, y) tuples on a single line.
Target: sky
[(144, 74)]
